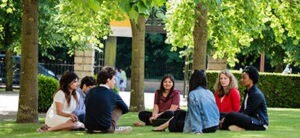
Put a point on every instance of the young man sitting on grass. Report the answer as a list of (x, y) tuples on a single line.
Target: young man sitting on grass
[(103, 106)]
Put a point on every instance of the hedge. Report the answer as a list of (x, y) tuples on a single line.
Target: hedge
[(47, 86), (280, 90)]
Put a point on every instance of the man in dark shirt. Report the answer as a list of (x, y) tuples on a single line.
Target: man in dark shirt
[(103, 106)]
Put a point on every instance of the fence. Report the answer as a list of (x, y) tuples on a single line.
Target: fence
[(59, 69)]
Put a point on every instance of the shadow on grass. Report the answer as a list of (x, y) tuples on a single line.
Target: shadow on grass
[(283, 123)]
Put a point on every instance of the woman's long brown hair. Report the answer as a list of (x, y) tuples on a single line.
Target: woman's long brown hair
[(64, 84)]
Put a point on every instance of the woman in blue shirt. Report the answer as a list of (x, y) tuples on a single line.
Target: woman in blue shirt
[(202, 115)]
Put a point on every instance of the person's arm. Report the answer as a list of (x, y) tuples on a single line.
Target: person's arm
[(175, 101), (155, 110), (59, 99), (235, 98), (254, 100), (173, 107), (155, 113), (59, 108), (121, 104)]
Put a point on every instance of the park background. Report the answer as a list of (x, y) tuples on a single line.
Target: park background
[(165, 37)]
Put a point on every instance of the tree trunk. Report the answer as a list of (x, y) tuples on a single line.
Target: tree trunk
[(28, 98), (110, 51), (137, 64), (200, 37), (262, 62), (7, 41), (186, 76), (8, 70), (279, 68)]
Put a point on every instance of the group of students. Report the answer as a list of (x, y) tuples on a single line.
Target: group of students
[(94, 106), (208, 111), (98, 109)]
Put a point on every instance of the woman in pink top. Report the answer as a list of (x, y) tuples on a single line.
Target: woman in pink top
[(166, 101), (226, 93)]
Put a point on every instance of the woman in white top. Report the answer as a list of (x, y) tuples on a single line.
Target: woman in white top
[(59, 116)]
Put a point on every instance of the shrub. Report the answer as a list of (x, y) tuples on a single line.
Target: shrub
[(47, 86), (280, 90)]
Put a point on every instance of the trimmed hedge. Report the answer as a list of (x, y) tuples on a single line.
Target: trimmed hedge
[(47, 86), (280, 90)]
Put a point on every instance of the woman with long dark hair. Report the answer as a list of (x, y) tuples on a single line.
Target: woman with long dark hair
[(60, 115), (202, 115), (166, 101)]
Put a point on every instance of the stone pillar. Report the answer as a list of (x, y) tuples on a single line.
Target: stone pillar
[(110, 51), (216, 64), (84, 63)]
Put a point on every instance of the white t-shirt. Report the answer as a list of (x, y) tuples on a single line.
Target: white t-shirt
[(52, 119)]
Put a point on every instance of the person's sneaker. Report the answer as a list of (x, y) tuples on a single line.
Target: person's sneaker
[(123, 129), (235, 128)]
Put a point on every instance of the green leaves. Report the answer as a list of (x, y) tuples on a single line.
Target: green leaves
[(233, 25), (86, 21), (179, 23)]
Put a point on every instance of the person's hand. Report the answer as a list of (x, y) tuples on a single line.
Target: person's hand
[(74, 117), (221, 122), (153, 117)]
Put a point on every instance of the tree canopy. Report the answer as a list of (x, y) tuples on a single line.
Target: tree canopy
[(233, 25)]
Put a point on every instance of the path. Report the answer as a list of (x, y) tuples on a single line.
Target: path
[(9, 103)]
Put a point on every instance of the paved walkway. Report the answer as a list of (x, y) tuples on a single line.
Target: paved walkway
[(9, 103)]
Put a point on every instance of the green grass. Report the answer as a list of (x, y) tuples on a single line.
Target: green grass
[(283, 123)]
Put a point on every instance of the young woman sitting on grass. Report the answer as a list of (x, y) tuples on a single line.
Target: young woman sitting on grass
[(60, 115), (227, 94), (253, 114), (202, 115), (166, 101)]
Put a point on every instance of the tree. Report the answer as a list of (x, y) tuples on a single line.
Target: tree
[(28, 97), (200, 37), (137, 64), (137, 11), (10, 22), (10, 36), (232, 25), (279, 54)]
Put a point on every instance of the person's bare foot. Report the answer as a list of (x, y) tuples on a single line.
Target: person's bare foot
[(43, 128), (158, 129), (139, 124), (235, 128)]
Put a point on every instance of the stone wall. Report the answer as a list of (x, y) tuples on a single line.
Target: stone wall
[(84, 63), (216, 64)]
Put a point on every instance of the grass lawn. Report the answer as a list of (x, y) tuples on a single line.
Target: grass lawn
[(284, 123)]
